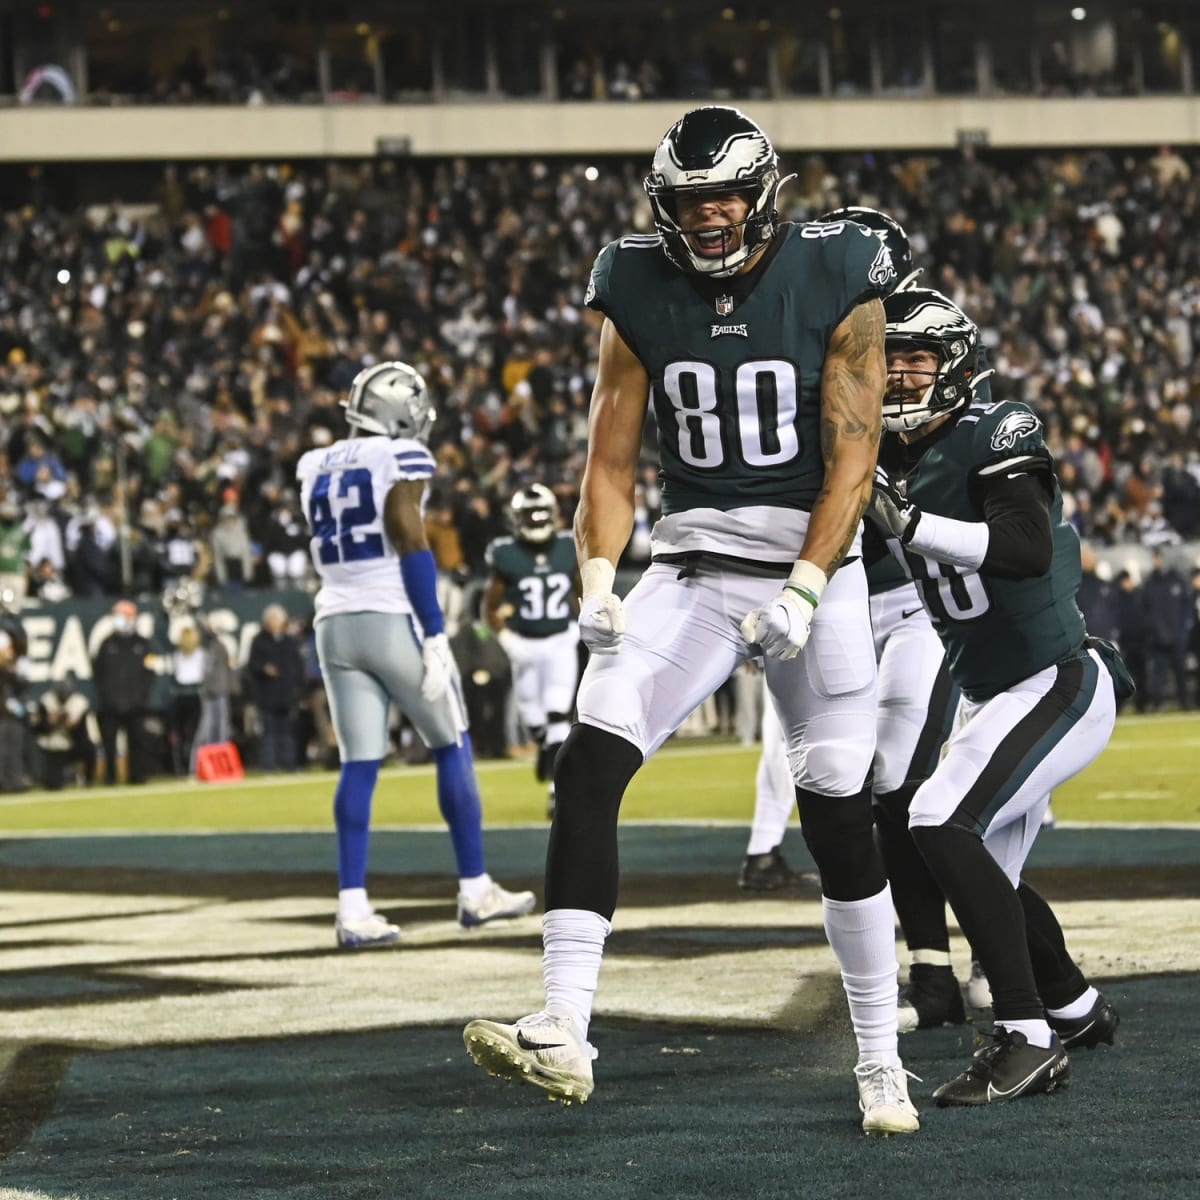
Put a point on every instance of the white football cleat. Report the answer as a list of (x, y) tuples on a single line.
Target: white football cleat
[(366, 933), (496, 904), (883, 1098), (540, 1049)]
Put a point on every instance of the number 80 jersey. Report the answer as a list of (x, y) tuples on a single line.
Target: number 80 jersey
[(343, 488)]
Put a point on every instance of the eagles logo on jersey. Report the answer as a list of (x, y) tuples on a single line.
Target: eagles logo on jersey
[(533, 513)]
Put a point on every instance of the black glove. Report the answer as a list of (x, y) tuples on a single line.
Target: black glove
[(892, 512)]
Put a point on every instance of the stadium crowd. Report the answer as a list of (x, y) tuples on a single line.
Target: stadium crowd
[(165, 361)]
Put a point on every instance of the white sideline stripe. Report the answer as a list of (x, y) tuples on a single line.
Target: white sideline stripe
[(518, 827)]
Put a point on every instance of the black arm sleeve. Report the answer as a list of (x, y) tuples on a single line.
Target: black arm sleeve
[(1020, 535)]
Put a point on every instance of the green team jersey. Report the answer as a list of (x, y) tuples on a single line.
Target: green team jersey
[(885, 572), (539, 582), (996, 631), (735, 364)]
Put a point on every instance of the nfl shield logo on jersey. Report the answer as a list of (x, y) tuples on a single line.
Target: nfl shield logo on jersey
[(724, 305)]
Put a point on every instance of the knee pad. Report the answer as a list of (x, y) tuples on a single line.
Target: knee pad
[(829, 766), (839, 833)]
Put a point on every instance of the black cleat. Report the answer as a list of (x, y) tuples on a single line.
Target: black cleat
[(1088, 1031), (930, 998), (768, 873), (1006, 1070)]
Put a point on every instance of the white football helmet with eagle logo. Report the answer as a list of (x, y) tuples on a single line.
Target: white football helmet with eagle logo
[(922, 319), (715, 149)]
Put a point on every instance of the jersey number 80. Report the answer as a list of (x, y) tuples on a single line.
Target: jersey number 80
[(765, 391)]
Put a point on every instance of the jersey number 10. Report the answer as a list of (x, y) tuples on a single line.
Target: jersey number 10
[(339, 526)]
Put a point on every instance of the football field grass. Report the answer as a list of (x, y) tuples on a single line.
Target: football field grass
[(175, 1021), (1147, 774)]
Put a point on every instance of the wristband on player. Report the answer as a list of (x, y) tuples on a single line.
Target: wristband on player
[(419, 572), (596, 575), (808, 581)]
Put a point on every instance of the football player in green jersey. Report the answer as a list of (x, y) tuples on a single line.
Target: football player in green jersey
[(759, 346), (531, 602), (916, 704), (969, 496)]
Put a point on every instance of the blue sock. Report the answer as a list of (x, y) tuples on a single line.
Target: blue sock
[(458, 798), (352, 816)]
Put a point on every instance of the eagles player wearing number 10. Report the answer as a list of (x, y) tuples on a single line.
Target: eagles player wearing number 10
[(968, 496), (531, 602), (760, 345), (381, 636)]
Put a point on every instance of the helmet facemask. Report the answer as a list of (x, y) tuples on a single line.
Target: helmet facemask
[(715, 151), (533, 514), (390, 399), (923, 319)]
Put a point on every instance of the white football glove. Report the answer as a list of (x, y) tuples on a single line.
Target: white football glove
[(441, 671), (601, 617), (889, 508), (602, 623), (780, 628)]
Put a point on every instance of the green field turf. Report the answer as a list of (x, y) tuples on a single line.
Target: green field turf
[(1146, 775)]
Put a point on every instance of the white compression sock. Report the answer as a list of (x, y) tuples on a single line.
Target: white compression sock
[(1079, 1007), (573, 948), (862, 934), (353, 904), (476, 887), (1037, 1033)]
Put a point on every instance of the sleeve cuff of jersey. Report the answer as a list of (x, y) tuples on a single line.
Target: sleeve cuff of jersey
[(956, 543)]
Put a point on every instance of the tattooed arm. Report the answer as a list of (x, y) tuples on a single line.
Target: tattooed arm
[(852, 385)]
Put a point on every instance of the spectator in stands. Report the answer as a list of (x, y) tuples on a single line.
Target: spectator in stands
[(123, 673), (1168, 609), (275, 669), (233, 562), (14, 550)]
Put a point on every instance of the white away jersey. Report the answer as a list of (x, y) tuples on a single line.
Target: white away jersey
[(343, 488)]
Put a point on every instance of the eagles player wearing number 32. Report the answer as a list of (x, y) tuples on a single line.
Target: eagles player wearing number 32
[(760, 347), (381, 637), (968, 497)]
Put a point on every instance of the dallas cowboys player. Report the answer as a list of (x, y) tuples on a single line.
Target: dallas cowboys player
[(381, 636), (531, 602), (970, 499), (762, 347)]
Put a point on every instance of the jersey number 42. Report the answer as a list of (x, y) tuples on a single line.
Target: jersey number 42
[(341, 519)]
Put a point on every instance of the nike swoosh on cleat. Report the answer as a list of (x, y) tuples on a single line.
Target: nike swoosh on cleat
[(526, 1044), (994, 1093)]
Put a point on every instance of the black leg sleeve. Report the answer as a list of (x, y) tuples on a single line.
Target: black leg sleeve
[(989, 913), (1059, 980), (591, 773), (919, 901), (838, 831)]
